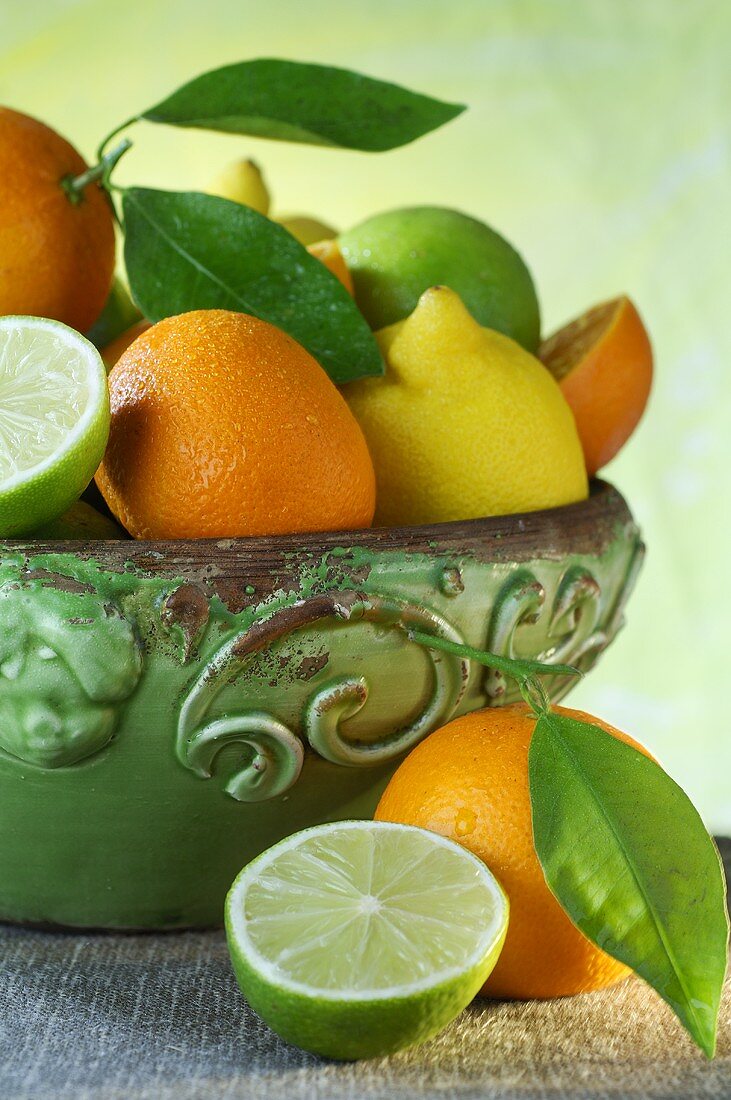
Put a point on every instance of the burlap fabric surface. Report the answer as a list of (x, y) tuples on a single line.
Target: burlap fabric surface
[(96, 1017)]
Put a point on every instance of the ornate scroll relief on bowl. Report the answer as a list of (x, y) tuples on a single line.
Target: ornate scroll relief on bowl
[(169, 710)]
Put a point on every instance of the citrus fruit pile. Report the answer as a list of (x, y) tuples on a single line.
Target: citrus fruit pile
[(222, 424)]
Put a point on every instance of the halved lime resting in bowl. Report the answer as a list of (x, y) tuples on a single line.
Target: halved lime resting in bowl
[(54, 419)]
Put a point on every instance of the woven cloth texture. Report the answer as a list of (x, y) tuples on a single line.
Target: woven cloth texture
[(153, 1017)]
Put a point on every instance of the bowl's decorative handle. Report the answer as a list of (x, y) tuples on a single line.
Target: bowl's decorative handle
[(519, 603), (274, 753), (68, 660), (573, 628)]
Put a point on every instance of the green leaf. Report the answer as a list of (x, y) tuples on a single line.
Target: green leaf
[(315, 104), (185, 250), (627, 856)]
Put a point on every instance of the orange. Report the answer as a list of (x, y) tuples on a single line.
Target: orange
[(328, 253), (222, 425), (469, 781), (56, 256), (603, 364), (116, 349)]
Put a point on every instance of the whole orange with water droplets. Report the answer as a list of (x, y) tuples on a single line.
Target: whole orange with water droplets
[(113, 352), (56, 256), (469, 781), (223, 425)]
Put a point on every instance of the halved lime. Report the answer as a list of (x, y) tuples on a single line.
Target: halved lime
[(54, 420), (360, 938)]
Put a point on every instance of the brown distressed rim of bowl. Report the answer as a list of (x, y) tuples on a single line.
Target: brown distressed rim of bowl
[(586, 527)]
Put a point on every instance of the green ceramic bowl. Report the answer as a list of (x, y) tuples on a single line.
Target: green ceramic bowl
[(169, 710)]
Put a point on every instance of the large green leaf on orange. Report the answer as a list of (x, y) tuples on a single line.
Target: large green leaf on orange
[(629, 859), (186, 250)]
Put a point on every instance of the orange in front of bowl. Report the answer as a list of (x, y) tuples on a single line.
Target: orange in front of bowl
[(469, 781)]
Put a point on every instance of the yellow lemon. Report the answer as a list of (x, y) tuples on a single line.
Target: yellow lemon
[(242, 181), (465, 422)]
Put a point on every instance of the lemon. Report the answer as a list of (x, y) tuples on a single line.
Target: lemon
[(82, 522), (307, 230), (242, 181), (54, 420), (464, 423), (395, 256), (360, 938)]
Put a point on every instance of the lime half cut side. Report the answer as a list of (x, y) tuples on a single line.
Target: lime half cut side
[(360, 938), (54, 420)]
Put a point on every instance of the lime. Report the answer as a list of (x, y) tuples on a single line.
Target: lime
[(54, 420), (82, 522), (119, 314), (360, 938), (394, 257)]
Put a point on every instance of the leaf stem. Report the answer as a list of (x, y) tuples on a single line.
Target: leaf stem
[(74, 186), (518, 668), (113, 134), (523, 670), (535, 695)]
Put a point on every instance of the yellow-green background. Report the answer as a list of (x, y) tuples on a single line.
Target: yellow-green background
[(598, 141)]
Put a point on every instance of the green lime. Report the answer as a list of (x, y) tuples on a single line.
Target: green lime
[(360, 938), (394, 257), (54, 420), (82, 522), (119, 314)]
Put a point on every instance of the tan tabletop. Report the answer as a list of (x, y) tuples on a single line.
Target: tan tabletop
[(107, 1017)]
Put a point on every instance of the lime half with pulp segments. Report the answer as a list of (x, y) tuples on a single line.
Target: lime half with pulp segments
[(360, 938), (54, 420)]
